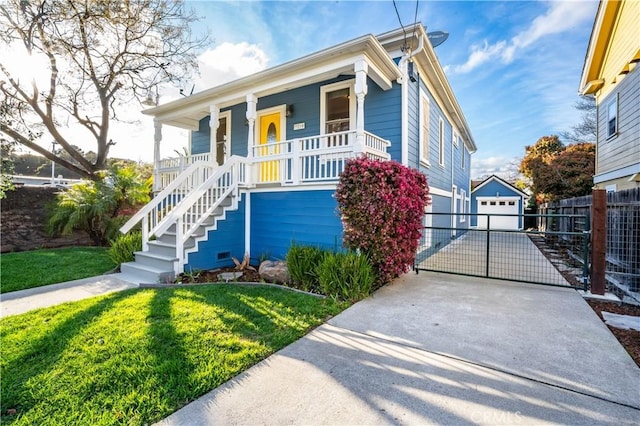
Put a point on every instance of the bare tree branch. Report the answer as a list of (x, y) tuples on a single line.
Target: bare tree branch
[(99, 54)]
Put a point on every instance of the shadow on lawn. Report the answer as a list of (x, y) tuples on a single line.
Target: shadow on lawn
[(45, 352)]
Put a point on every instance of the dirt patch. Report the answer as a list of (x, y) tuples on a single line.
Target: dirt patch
[(230, 274), (629, 339)]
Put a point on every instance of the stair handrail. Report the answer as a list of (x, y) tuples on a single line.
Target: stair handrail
[(154, 212), (196, 207), (196, 194)]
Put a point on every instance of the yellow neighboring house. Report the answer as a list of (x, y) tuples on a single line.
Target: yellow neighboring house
[(611, 73)]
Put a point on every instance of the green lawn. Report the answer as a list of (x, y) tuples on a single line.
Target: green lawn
[(36, 268), (136, 356)]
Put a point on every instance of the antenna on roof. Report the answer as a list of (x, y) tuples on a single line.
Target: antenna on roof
[(436, 38)]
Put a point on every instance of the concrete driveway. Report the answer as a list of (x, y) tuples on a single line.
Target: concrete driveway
[(512, 256), (445, 349)]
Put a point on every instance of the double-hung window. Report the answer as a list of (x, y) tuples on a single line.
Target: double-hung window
[(441, 142), (612, 117), (424, 128)]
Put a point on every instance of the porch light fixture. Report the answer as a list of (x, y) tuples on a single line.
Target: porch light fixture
[(289, 112)]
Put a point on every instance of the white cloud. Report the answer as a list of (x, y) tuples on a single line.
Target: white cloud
[(559, 17), (500, 166), (229, 61), (480, 54)]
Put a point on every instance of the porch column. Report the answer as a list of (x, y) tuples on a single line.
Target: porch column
[(214, 123), (157, 138), (361, 68), (251, 120)]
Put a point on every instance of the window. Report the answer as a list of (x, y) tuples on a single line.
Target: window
[(454, 138), (337, 107), (424, 128), (463, 205), (464, 156), (612, 117), (512, 203), (493, 203), (441, 142), (484, 203), (503, 203)]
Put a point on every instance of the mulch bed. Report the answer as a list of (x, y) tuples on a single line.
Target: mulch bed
[(212, 276), (630, 339)]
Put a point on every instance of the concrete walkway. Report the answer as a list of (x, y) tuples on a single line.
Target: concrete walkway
[(512, 256), (444, 349), (18, 302)]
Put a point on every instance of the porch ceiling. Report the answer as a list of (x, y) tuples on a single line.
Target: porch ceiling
[(324, 65)]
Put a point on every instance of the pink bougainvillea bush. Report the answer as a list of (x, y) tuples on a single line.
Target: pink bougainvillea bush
[(382, 205)]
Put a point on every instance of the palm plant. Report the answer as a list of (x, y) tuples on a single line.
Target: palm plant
[(94, 206)]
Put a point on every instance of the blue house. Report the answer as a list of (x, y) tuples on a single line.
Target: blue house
[(496, 204), (266, 152)]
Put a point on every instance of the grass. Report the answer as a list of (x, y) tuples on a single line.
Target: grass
[(135, 357), (36, 268)]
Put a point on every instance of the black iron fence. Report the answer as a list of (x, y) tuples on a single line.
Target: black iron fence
[(514, 255), (623, 234)]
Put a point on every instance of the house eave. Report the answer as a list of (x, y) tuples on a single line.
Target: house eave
[(598, 42), (320, 66)]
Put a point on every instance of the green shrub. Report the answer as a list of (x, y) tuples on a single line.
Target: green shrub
[(346, 276), (302, 263), (122, 248)]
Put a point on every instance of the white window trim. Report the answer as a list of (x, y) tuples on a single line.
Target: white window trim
[(428, 223), (346, 84), (441, 142), (214, 142), (464, 155), (614, 101), (454, 138), (463, 205), (424, 156)]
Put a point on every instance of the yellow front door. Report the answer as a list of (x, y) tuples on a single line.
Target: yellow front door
[(269, 136)]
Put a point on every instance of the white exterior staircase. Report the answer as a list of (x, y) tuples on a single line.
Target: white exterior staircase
[(181, 216)]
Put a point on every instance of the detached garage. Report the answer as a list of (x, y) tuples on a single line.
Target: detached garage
[(495, 203)]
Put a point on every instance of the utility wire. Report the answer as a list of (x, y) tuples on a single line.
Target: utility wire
[(395, 6), (415, 20)]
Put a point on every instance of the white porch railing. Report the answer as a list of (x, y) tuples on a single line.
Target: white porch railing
[(160, 209), (168, 169), (309, 160), (188, 209)]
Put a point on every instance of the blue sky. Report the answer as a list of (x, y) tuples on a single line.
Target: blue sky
[(514, 66)]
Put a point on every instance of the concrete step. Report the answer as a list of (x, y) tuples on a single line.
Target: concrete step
[(169, 237), (155, 260), (146, 274)]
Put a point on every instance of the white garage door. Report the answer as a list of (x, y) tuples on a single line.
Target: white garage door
[(498, 206)]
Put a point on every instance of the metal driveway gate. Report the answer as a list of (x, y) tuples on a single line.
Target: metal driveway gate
[(538, 256)]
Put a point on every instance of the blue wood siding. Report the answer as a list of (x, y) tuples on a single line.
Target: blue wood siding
[(490, 190), (382, 115), (200, 140), (305, 217), (239, 130), (223, 243)]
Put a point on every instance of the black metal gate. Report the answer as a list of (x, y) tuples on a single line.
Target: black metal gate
[(538, 255)]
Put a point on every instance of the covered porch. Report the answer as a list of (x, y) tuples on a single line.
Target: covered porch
[(302, 161), (251, 117)]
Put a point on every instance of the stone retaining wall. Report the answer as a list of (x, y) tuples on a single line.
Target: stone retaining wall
[(23, 218)]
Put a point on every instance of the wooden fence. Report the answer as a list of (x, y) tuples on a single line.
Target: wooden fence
[(622, 232)]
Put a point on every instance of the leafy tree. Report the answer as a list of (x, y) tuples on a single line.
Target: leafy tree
[(556, 171), (586, 130), (6, 167), (100, 55), (95, 206)]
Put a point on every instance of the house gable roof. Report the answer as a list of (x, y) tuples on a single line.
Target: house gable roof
[(615, 27), (494, 178), (428, 61), (320, 66)]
